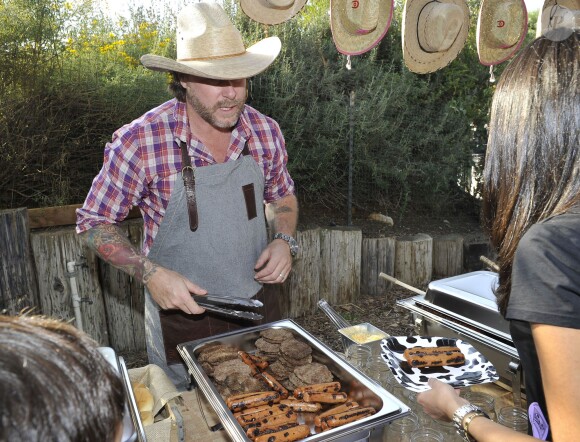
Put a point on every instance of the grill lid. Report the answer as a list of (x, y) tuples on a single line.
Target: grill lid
[(469, 296)]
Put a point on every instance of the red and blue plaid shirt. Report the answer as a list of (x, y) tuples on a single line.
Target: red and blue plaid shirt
[(143, 159)]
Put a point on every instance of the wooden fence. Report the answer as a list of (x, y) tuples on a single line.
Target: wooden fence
[(44, 267)]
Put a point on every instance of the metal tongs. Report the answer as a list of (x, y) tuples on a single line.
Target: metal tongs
[(214, 303)]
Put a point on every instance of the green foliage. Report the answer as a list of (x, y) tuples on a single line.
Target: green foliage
[(72, 76)]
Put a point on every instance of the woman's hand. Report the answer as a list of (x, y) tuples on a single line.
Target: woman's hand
[(441, 401)]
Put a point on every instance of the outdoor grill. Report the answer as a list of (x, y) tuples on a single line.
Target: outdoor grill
[(358, 386), (464, 307)]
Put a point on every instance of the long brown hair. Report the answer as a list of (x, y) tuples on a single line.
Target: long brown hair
[(532, 165)]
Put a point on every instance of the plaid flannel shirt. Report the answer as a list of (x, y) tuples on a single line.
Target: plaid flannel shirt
[(143, 159)]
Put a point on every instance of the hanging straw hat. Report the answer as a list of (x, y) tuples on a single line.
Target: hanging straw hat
[(271, 12), (209, 46), (502, 26), (434, 33), (359, 25), (558, 14)]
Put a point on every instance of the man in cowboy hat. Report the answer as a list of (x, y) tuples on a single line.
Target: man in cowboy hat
[(199, 167)]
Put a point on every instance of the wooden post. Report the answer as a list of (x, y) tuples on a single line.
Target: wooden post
[(18, 285), (340, 264), (300, 291), (53, 249), (124, 299), (447, 255), (378, 255), (413, 259)]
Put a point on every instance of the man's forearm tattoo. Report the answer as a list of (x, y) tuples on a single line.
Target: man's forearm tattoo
[(113, 247)]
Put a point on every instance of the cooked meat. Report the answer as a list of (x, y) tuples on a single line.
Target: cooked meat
[(239, 383), (276, 335), (222, 370), (267, 347), (313, 373), (222, 355), (279, 371), (291, 364), (295, 349), (210, 349)]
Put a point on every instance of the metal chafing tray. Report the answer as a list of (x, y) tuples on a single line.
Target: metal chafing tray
[(358, 386), (464, 306)]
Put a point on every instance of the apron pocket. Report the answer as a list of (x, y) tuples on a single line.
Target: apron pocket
[(250, 198)]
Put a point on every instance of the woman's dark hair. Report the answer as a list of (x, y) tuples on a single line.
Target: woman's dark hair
[(176, 88), (55, 385), (532, 165)]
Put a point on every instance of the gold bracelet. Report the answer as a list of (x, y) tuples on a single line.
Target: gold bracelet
[(469, 417)]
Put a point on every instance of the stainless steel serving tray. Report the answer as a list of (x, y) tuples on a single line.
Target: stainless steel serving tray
[(469, 297), (358, 386)]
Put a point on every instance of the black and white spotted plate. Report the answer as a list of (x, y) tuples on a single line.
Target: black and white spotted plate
[(476, 370)]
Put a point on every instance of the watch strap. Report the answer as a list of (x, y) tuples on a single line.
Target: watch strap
[(458, 418)]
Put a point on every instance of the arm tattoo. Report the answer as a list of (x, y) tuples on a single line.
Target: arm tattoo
[(113, 247)]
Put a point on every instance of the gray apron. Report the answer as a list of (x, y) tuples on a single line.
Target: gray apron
[(219, 256)]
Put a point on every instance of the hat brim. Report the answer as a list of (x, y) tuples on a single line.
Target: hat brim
[(489, 55), (349, 44), (545, 12), (255, 60), (259, 12), (416, 58)]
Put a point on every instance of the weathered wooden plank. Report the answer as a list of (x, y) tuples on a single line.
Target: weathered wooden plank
[(414, 259), (340, 264), (300, 291), (378, 255), (53, 249), (18, 288), (124, 299), (61, 216), (447, 255)]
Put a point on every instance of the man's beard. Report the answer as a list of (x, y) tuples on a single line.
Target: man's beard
[(208, 113)]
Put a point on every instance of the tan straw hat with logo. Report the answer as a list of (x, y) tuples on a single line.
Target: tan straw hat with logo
[(434, 33), (209, 46), (558, 14), (271, 12), (502, 26), (359, 25)]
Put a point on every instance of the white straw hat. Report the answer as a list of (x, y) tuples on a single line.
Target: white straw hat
[(502, 26), (558, 14), (271, 12), (209, 46), (359, 25), (434, 33)]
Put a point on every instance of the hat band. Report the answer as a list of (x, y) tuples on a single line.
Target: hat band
[(215, 57)]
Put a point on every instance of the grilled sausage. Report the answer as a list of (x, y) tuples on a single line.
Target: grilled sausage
[(255, 414), (252, 433), (289, 435), (277, 386), (301, 406), (262, 364), (272, 422), (326, 398), (338, 409), (252, 400), (328, 387), (248, 361), (349, 416)]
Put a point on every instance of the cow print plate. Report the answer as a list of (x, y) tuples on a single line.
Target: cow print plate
[(476, 370)]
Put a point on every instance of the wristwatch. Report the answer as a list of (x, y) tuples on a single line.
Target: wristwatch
[(459, 417), (291, 242)]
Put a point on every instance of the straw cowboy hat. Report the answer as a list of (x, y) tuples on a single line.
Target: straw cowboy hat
[(271, 12), (209, 46), (502, 26), (357, 26), (558, 14), (434, 33)]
